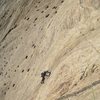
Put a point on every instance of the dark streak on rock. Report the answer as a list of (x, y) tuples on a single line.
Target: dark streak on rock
[(81, 90), (8, 33)]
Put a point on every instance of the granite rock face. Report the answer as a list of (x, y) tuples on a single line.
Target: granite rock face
[(58, 36)]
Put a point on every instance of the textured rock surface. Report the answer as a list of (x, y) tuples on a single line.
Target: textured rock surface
[(61, 36)]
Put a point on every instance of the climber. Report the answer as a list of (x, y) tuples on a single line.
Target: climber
[(44, 74)]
